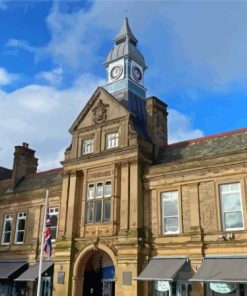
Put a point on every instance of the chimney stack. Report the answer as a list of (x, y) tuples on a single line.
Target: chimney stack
[(157, 123), (24, 163)]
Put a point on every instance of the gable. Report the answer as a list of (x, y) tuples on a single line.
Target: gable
[(102, 107)]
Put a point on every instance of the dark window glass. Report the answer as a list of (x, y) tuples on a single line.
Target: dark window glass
[(53, 226), (107, 209), (98, 211), (89, 212), (6, 237)]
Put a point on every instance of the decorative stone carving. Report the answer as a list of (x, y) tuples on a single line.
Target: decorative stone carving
[(100, 174), (95, 243), (100, 112), (132, 131)]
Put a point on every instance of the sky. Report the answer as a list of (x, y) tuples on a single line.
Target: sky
[(52, 55)]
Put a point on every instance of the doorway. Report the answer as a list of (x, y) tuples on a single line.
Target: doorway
[(99, 275)]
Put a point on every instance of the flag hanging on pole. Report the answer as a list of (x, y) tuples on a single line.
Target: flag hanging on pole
[(47, 234)]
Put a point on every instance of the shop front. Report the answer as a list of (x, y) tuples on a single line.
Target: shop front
[(9, 270), (169, 276), (223, 275), (28, 279)]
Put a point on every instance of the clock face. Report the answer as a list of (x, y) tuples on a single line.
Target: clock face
[(137, 74), (116, 72)]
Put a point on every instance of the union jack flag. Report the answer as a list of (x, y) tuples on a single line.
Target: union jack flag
[(47, 235)]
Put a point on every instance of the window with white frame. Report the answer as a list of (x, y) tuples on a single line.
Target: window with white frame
[(170, 212), (87, 146), (53, 214), (98, 208), (20, 227), (231, 206), (7, 227), (111, 140)]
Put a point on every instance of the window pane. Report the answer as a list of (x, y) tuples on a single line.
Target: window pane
[(89, 212), (233, 220), (21, 224), (171, 224), (98, 211), (111, 140), (6, 237), (231, 202), (170, 212), (231, 206), (226, 188), (53, 220), (53, 233), (90, 192), (170, 207), (20, 237), (108, 188), (87, 146), (99, 190), (107, 209), (8, 226)]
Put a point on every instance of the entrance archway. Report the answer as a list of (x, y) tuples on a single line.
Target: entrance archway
[(99, 275), (94, 272)]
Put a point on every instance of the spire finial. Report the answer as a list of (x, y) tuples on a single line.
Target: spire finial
[(124, 32)]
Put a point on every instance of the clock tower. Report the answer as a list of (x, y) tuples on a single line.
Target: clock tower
[(125, 67)]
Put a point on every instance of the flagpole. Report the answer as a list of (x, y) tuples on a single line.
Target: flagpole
[(42, 245)]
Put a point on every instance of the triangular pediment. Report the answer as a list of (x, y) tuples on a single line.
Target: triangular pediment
[(101, 107)]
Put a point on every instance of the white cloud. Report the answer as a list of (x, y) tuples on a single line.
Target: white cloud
[(22, 44), (204, 43), (51, 161), (54, 77), (180, 128), (3, 5), (6, 77), (41, 116)]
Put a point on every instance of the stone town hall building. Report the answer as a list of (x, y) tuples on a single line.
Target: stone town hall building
[(130, 214)]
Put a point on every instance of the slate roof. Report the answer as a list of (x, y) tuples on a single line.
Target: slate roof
[(39, 180), (5, 173), (215, 145)]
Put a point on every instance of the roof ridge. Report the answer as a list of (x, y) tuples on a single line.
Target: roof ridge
[(45, 172), (210, 137)]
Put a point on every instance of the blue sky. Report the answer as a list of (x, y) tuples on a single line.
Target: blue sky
[(51, 56)]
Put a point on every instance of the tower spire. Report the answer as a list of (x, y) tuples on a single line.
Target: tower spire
[(125, 34), (125, 66)]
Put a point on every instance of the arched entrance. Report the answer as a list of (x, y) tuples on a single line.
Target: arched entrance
[(94, 272), (99, 275)]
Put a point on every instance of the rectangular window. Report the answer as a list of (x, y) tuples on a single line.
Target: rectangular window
[(98, 208), (108, 189), (7, 226), (107, 210), (170, 212), (90, 212), (99, 190), (87, 146), (90, 191), (231, 206), (111, 140), (20, 227), (53, 214)]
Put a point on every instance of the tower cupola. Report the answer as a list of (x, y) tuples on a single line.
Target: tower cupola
[(125, 66)]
